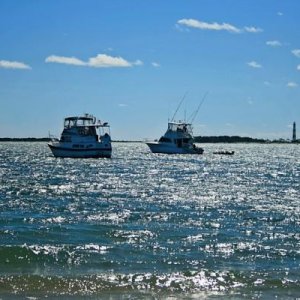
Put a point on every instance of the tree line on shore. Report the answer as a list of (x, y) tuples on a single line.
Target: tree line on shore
[(237, 139)]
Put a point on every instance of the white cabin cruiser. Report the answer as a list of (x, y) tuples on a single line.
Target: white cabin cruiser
[(178, 139), (83, 137)]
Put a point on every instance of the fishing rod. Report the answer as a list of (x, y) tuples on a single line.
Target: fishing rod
[(178, 106), (193, 115)]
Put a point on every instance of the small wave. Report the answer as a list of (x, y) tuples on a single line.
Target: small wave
[(52, 257), (161, 285)]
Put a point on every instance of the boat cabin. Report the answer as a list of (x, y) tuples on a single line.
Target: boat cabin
[(83, 127), (178, 133)]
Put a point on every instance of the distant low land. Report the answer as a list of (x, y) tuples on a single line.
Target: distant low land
[(198, 139), (238, 139), (29, 139)]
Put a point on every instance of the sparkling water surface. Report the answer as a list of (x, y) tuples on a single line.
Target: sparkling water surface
[(150, 226)]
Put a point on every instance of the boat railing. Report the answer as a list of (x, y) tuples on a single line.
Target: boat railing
[(53, 138)]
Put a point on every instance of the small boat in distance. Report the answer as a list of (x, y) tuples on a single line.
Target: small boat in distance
[(83, 137), (224, 152), (178, 139)]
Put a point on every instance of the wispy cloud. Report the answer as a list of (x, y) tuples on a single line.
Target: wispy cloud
[(253, 29), (298, 67), (250, 101), (138, 63), (155, 65), (217, 26), (208, 26), (181, 28), (65, 60), (13, 65), (99, 61), (280, 14), (274, 43), (254, 64), (292, 84), (296, 52)]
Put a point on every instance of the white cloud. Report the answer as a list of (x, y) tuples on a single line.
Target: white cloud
[(155, 65), (254, 64), (296, 52), (13, 65), (292, 84), (106, 61), (181, 28), (99, 61), (122, 105), (298, 67), (253, 29), (208, 26), (138, 63), (274, 43), (65, 60), (279, 14), (216, 26)]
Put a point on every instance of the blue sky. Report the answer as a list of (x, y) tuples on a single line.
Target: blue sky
[(130, 62)]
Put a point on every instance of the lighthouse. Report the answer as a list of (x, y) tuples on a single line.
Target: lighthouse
[(294, 132)]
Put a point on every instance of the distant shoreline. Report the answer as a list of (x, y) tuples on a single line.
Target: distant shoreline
[(198, 139), (6, 139), (240, 139)]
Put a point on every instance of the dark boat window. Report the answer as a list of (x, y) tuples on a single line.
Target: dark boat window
[(165, 140), (179, 143), (65, 138)]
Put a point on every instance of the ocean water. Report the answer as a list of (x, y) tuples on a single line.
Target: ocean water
[(149, 226)]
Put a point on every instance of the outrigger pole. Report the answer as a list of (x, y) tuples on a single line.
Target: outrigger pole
[(178, 106), (194, 114)]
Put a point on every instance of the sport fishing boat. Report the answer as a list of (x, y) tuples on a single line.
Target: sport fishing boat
[(83, 137), (178, 139)]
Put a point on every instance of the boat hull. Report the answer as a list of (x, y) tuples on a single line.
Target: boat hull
[(59, 151), (170, 149)]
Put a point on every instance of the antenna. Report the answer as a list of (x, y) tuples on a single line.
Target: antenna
[(178, 106), (194, 114)]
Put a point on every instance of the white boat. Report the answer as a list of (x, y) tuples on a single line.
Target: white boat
[(83, 137), (178, 139)]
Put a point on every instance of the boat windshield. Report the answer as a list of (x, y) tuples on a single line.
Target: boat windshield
[(84, 121), (180, 127), (78, 121)]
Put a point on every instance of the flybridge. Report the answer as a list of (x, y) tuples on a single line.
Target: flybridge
[(83, 121), (180, 127)]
